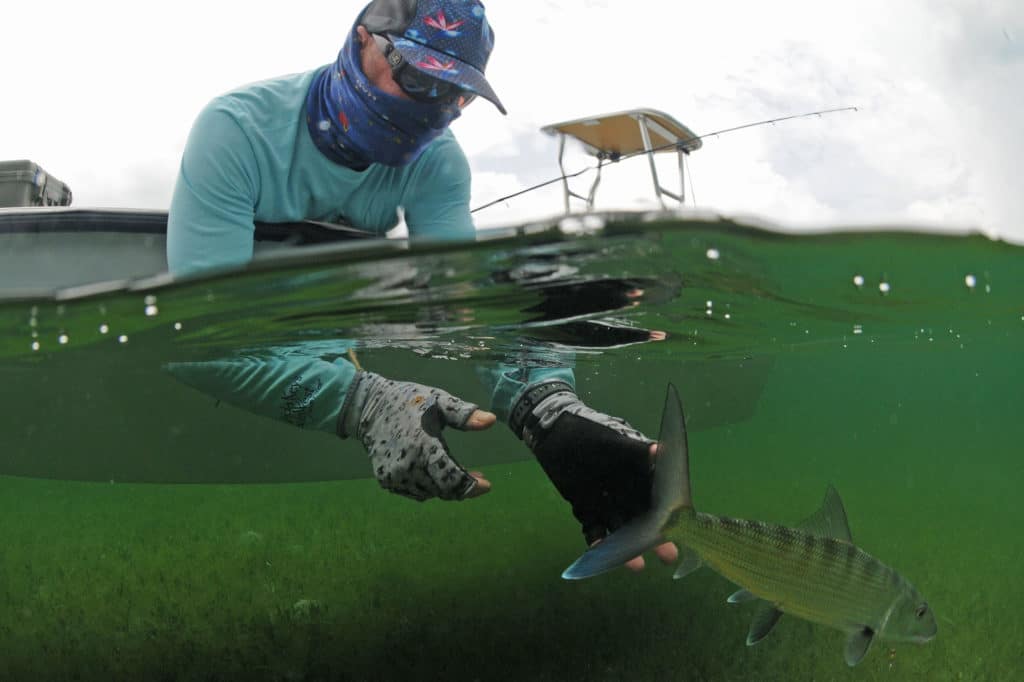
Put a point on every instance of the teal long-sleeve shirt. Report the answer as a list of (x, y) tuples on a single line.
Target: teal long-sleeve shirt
[(249, 157)]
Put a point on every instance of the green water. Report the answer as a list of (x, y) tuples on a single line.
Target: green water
[(281, 561)]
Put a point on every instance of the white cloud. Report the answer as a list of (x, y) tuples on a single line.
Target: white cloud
[(104, 94)]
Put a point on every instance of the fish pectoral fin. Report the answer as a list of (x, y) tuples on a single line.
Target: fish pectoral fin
[(741, 597), (765, 619), (690, 562), (857, 645)]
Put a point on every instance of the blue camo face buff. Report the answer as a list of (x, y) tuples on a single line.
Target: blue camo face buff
[(355, 124)]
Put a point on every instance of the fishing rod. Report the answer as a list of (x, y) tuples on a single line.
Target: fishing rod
[(672, 145)]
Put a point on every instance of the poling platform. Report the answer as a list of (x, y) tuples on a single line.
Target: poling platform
[(612, 137)]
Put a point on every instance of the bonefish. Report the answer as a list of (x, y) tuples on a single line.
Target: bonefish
[(812, 571)]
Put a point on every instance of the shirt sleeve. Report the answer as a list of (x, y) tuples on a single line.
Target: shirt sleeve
[(303, 391), (507, 382), (210, 221), (436, 200)]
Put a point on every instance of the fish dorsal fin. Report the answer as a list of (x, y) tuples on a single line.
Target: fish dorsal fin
[(765, 619), (857, 645), (830, 520)]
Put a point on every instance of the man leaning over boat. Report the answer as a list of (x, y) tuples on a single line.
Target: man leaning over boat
[(352, 142)]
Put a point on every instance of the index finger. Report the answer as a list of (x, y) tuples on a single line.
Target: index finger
[(667, 552)]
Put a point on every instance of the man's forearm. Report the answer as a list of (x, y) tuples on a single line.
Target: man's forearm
[(303, 391)]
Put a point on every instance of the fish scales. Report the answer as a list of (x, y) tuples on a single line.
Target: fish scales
[(825, 580), (817, 575)]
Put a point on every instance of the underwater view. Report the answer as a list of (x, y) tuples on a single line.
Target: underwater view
[(151, 530)]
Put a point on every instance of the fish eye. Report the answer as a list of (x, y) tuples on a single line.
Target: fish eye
[(921, 611)]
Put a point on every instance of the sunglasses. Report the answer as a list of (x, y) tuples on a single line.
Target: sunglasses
[(418, 85)]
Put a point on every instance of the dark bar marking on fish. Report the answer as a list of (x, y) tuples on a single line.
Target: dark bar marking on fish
[(787, 537), (730, 524), (810, 545), (851, 561), (830, 550)]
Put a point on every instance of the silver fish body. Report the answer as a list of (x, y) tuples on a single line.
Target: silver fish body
[(812, 570), (820, 579)]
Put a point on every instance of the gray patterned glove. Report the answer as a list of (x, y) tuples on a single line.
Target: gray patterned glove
[(399, 424)]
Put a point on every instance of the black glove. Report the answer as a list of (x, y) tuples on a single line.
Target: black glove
[(600, 464), (399, 424)]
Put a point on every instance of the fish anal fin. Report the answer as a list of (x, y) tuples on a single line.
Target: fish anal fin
[(857, 645), (689, 563), (765, 619), (830, 520), (741, 597)]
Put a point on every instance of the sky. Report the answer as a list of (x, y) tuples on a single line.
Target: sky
[(102, 95)]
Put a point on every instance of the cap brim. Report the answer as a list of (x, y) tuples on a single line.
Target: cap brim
[(447, 68)]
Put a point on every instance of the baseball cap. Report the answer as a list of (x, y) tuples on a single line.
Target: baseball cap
[(447, 39)]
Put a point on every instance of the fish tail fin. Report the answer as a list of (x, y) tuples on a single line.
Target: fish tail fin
[(670, 496), (671, 489)]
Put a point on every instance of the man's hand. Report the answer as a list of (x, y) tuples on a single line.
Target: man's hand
[(668, 553), (400, 424), (600, 464)]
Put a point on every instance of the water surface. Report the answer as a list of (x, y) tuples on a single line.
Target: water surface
[(150, 531)]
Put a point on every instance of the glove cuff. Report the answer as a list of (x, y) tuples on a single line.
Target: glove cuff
[(352, 408), (522, 413)]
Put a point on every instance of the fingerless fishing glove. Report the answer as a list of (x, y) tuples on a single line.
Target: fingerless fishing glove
[(400, 424), (600, 464)]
